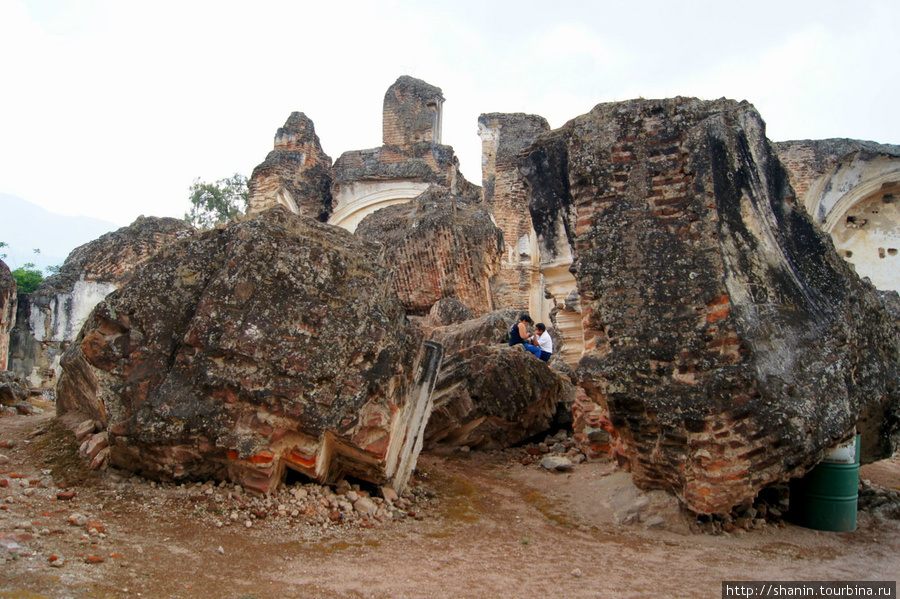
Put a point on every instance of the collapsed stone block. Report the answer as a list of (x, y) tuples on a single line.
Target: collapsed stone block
[(728, 343), (273, 343), (489, 395)]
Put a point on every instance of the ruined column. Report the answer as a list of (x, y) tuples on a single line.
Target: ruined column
[(503, 136), (296, 174), (8, 302), (412, 113)]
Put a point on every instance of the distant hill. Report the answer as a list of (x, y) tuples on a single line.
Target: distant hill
[(25, 226)]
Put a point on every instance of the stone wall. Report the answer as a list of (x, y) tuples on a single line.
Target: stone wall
[(504, 193), (412, 113), (440, 246), (8, 302), (851, 189)]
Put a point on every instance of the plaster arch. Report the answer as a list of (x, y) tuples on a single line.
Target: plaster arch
[(858, 204), (355, 201)]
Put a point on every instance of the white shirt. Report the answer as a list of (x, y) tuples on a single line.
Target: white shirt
[(545, 342)]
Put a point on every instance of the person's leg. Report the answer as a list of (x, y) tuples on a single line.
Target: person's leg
[(533, 349), (545, 356)]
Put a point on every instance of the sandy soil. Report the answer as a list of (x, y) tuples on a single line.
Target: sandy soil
[(483, 528)]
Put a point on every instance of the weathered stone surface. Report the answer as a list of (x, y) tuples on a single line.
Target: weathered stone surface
[(493, 397), (8, 302), (296, 174), (13, 388), (50, 318), (488, 329), (728, 341), (440, 246), (448, 311), (275, 342), (411, 113), (807, 160)]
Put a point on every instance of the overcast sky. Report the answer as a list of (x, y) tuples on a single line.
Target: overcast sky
[(110, 109)]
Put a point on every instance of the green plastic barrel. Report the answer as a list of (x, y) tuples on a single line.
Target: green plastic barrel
[(826, 497)]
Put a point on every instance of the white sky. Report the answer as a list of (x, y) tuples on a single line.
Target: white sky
[(110, 109)]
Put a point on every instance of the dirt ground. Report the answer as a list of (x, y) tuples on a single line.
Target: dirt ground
[(481, 528)]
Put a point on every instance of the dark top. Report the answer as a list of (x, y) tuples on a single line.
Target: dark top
[(514, 337)]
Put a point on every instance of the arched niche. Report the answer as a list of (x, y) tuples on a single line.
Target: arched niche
[(858, 204)]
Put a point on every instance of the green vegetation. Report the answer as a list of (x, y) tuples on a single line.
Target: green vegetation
[(27, 277), (219, 202)]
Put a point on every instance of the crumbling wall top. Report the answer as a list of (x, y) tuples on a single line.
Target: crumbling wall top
[(412, 113)]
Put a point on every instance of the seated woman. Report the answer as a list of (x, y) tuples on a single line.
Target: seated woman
[(518, 333)]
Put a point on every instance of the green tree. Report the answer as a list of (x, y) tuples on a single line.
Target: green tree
[(27, 277), (3, 244), (219, 202)]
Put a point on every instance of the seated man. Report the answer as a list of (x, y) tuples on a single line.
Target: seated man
[(543, 340)]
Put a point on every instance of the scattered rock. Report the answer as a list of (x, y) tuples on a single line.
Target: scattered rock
[(365, 505), (557, 463)]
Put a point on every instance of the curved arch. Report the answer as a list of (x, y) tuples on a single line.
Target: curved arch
[(858, 204), (362, 198)]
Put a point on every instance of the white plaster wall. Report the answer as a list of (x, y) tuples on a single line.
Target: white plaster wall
[(68, 311)]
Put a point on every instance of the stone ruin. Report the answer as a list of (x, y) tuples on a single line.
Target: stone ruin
[(49, 319), (851, 189), (8, 303), (707, 333)]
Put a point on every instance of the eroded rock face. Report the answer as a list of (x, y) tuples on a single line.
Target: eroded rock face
[(296, 174), (493, 397), (8, 302), (441, 246), (273, 343), (50, 318), (489, 395), (729, 343)]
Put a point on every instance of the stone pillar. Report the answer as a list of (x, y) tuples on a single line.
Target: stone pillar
[(503, 137), (412, 113), (7, 311), (296, 173)]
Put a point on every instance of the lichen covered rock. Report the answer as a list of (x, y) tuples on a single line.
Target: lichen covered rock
[(53, 314), (728, 342), (275, 342), (494, 397)]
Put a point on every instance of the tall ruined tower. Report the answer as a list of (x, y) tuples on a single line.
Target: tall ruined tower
[(412, 113)]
